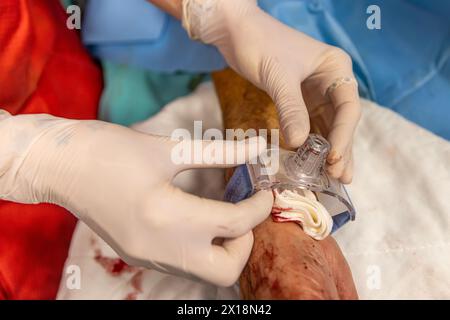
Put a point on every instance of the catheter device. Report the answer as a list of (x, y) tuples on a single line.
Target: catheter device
[(304, 169)]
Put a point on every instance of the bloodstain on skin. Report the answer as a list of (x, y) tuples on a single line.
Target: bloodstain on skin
[(261, 271), (269, 253), (275, 289), (114, 266)]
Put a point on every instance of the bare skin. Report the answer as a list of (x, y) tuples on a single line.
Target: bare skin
[(288, 264)]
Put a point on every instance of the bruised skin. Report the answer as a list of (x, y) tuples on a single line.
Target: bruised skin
[(285, 263)]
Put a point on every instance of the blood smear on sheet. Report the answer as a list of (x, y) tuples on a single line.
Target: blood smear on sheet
[(114, 266)]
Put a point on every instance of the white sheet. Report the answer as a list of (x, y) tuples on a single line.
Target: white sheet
[(398, 248)]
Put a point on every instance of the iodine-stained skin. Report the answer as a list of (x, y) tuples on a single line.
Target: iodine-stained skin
[(285, 263), (288, 264)]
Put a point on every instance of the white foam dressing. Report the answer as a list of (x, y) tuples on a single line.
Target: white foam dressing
[(303, 209)]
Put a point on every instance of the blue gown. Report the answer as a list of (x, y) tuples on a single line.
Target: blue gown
[(404, 66)]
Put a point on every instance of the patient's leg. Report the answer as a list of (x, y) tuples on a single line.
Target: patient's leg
[(285, 262), (288, 264)]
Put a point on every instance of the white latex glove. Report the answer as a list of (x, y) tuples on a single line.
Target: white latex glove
[(118, 181), (282, 62)]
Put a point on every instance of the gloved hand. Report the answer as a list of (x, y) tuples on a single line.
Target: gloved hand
[(118, 181), (280, 61)]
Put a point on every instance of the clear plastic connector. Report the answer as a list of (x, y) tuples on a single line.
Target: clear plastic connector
[(303, 170)]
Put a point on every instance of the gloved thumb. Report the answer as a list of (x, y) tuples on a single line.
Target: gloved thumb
[(292, 112), (232, 255)]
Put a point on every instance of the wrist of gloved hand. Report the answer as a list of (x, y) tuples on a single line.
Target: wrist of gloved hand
[(37, 156), (298, 72), (209, 20)]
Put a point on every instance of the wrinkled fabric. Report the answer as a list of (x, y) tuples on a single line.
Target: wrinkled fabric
[(44, 69), (404, 66), (398, 246)]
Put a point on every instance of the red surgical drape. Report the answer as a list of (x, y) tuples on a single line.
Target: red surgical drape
[(43, 69)]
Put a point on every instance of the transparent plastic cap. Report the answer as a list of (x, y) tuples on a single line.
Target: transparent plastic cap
[(302, 170)]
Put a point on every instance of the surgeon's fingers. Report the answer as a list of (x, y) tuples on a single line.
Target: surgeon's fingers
[(347, 175), (191, 154), (244, 216), (210, 219), (345, 100), (337, 169), (226, 262), (219, 219), (292, 111)]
